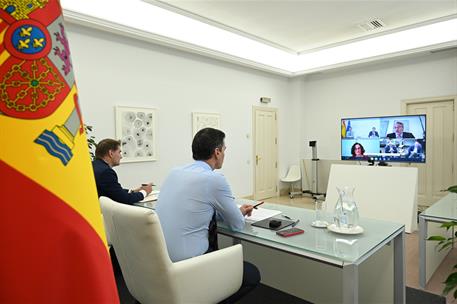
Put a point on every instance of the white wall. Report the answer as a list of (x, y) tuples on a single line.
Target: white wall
[(370, 90), (112, 70)]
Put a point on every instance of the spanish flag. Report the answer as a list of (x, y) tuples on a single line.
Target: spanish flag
[(53, 242)]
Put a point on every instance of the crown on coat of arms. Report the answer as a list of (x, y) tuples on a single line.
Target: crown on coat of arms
[(21, 9)]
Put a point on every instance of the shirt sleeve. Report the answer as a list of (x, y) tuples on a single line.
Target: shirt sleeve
[(112, 189), (225, 205)]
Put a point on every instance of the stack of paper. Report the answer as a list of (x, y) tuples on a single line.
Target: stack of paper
[(259, 213), (151, 196)]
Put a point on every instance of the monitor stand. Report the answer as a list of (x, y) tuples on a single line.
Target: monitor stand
[(371, 162), (315, 174)]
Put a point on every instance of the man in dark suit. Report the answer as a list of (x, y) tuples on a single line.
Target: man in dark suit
[(373, 133), (390, 147), (415, 151), (398, 127), (107, 156)]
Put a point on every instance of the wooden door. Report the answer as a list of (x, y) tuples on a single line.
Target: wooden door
[(265, 153), (438, 171)]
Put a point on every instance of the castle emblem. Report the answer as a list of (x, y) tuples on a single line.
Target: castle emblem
[(20, 10)]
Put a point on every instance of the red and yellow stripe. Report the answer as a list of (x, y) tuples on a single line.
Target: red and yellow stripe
[(53, 240)]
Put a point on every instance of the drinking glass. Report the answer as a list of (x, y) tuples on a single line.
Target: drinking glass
[(320, 208)]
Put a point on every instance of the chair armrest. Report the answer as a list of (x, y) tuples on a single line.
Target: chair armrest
[(211, 277)]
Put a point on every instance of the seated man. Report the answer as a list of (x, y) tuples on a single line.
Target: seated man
[(373, 133), (390, 147), (415, 151), (398, 128), (192, 197), (107, 156)]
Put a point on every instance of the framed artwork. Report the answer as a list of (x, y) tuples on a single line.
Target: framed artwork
[(136, 128), (205, 120)]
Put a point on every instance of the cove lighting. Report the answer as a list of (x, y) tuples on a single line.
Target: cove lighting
[(415, 38), (185, 31)]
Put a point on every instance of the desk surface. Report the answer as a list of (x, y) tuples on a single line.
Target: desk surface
[(445, 208), (325, 245)]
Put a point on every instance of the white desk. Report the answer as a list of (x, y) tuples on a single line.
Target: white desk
[(445, 210), (345, 252)]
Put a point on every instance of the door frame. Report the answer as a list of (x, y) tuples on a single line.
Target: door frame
[(268, 109), (453, 98)]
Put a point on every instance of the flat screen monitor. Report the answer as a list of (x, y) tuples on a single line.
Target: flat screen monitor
[(384, 139)]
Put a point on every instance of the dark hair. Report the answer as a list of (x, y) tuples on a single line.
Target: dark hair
[(105, 145), (205, 142), (353, 149)]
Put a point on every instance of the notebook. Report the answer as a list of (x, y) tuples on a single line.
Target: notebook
[(266, 223), (151, 196), (259, 213)]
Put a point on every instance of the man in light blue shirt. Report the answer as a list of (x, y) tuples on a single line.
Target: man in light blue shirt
[(192, 196)]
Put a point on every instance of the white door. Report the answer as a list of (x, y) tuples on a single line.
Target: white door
[(265, 152), (437, 173)]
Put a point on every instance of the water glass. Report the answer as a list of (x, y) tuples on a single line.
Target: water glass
[(320, 208)]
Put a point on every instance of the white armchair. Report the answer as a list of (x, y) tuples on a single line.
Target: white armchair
[(108, 240), (151, 276)]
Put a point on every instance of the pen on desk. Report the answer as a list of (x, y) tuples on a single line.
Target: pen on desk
[(287, 217), (257, 205), (295, 223)]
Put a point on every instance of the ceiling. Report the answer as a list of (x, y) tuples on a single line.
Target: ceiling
[(288, 37), (304, 25)]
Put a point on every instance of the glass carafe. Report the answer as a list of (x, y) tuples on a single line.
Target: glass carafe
[(346, 211)]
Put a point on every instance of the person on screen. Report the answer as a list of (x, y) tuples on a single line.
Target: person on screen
[(415, 151), (390, 147), (357, 151), (373, 133), (398, 128), (192, 197), (108, 155)]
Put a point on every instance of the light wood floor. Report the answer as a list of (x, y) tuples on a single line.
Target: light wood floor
[(435, 284)]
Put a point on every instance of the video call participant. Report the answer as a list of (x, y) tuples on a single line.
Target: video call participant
[(192, 197), (373, 133), (107, 156), (357, 151), (415, 151), (398, 128), (390, 147)]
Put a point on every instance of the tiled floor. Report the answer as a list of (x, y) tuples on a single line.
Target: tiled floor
[(435, 284)]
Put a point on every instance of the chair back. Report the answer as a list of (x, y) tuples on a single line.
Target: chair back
[(108, 240), (140, 247), (293, 174)]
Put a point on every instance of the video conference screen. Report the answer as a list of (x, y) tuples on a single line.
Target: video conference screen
[(386, 139)]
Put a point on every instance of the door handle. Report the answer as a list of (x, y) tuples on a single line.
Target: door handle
[(257, 158)]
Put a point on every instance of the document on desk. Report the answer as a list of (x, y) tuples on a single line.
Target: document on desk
[(151, 196), (259, 213)]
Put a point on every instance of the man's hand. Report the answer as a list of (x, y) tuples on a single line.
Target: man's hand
[(246, 209), (146, 187)]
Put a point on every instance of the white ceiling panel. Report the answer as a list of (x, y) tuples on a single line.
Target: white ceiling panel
[(304, 25)]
